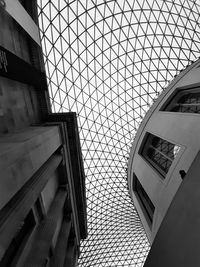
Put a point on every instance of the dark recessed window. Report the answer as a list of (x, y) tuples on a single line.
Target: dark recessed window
[(185, 101), (39, 209), (144, 198), (159, 153), (19, 240)]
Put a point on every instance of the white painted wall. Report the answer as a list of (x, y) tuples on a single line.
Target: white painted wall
[(182, 129), (177, 241)]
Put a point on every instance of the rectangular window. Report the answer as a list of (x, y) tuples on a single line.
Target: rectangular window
[(144, 198), (159, 153), (39, 209), (187, 101), (19, 240)]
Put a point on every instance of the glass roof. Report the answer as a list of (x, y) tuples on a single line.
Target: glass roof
[(108, 61)]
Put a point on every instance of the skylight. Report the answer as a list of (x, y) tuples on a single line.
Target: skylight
[(108, 61)]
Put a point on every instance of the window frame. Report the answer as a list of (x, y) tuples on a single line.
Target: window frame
[(176, 95), (148, 210), (143, 152)]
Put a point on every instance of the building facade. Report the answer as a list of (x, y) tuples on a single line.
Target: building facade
[(42, 181), (165, 147)]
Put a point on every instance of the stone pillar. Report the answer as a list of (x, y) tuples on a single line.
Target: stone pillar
[(58, 258), (40, 251), (71, 254)]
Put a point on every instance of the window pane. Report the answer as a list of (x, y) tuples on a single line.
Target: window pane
[(144, 198), (159, 153), (162, 162), (165, 147), (185, 101)]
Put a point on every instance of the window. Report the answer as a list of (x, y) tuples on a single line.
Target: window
[(18, 242), (185, 101), (159, 153), (144, 198), (39, 209)]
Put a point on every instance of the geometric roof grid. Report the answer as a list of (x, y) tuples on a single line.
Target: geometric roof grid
[(108, 60)]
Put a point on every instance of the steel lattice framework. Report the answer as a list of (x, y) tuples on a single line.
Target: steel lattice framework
[(108, 60)]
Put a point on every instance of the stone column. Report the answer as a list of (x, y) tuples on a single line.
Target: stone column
[(40, 251), (58, 258), (71, 254)]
